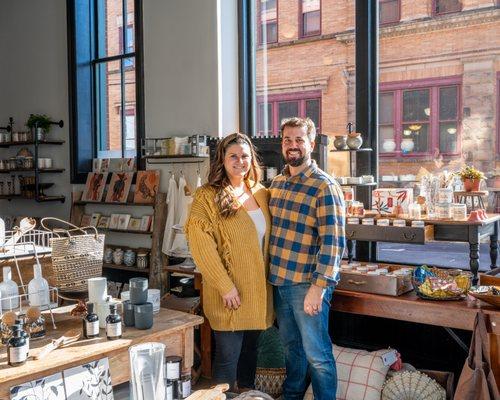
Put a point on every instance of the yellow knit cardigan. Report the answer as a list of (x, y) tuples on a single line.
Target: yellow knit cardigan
[(228, 254)]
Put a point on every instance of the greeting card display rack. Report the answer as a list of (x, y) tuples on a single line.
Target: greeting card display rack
[(122, 273)]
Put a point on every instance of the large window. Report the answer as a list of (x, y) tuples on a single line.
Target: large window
[(115, 79), (268, 21), (446, 6), (105, 61), (310, 17), (270, 113), (389, 11), (419, 118)]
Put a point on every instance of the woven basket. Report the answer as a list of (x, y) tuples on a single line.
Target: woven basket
[(270, 380), (75, 258)]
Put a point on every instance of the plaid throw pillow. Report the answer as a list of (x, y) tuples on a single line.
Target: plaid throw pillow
[(360, 374)]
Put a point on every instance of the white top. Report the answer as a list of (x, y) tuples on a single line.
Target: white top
[(260, 224)]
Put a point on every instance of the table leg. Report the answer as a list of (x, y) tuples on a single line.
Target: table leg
[(474, 252), (350, 246), (494, 247)]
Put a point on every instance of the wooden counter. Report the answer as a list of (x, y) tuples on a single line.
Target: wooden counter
[(173, 328), (409, 307)]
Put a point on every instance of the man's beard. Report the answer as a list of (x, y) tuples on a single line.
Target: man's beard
[(296, 162)]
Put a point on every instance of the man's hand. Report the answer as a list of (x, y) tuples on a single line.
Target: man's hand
[(232, 299), (313, 300)]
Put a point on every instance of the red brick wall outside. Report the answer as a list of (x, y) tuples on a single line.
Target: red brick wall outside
[(420, 46), (114, 26)]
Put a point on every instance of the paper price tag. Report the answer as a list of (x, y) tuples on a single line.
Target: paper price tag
[(389, 358)]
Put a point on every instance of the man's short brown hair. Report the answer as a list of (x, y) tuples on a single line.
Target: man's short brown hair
[(294, 122)]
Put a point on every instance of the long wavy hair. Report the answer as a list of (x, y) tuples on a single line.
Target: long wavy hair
[(218, 179)]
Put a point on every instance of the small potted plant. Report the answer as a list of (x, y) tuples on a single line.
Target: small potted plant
[(42, 122), (471, 178)]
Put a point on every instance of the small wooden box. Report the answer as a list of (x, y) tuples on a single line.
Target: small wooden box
[(376, 284)]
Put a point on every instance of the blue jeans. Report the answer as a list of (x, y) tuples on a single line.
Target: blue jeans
[(235, 358), (307, 344)]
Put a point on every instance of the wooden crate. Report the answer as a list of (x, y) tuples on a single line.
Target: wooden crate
[(376, 284)]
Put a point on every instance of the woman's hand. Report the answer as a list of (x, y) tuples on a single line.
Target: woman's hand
[(232, 299)]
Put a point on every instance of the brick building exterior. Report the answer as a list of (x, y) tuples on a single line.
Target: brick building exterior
[(439, 77), (112, 81)]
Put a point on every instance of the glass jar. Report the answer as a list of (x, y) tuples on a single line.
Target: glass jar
[(459, 212), (415, 211), (443, 211), (142, 260), (445, 195)]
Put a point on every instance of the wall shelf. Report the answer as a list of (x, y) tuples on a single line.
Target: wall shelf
[(359, 184), (82, 203), (42, 171), (28, 142), (363, 149)]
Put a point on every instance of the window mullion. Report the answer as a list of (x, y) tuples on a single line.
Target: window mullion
[(398, 117), (434, 118)]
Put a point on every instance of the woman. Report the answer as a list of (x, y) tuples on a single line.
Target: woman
[(228, 234)]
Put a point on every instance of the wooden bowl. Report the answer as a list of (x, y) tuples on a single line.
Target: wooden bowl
[(488, 298)]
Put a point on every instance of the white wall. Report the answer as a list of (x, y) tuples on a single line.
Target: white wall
[(190, 72), (186, 58), (34, 79)]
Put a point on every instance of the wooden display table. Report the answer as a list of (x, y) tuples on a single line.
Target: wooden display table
[(409, 307), (173, 328), (443, 230)]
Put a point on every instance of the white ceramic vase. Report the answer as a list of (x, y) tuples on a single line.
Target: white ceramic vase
[(389, 145), (407, 145)]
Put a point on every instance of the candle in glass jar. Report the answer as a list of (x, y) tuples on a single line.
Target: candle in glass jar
[(415, 211)]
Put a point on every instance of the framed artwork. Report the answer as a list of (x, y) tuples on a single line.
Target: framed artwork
[(86, 219), (94, 187), (90, 381), (48, 388), (119, 187), (145, 223), (113, 221), (123, 221), (146, 186), (103, 222), (128, 165), (94, 220), (134, 224)]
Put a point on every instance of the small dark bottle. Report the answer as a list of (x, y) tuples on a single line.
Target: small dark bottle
[(90, 323), (113, 324), (24, 334), (16, 348)]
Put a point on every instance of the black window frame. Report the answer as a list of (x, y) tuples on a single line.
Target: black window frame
[(82, 58), (366, 45)]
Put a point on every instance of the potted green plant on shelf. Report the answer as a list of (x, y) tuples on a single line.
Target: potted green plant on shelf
[(42, 122), (471, 177)]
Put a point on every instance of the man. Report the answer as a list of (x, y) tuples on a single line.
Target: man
[(306, 246)]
